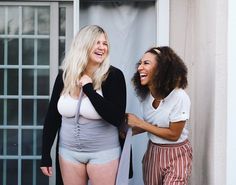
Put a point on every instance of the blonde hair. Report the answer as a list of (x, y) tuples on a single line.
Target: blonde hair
[(76, 59)]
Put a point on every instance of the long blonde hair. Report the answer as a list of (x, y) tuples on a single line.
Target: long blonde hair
[(76, 59)]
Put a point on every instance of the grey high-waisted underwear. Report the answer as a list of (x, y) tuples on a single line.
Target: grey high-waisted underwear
[(87, 135)]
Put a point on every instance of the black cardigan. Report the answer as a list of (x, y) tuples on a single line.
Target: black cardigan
[(111, 107)]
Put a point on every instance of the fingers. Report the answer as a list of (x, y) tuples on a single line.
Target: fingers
[(85, 79), (46, 171)]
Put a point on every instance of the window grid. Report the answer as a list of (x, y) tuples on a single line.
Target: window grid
[(19, 157), (17, 98)]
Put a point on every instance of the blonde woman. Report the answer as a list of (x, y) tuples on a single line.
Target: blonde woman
[(86, 108)]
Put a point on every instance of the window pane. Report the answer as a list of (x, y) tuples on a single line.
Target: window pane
[(1, 142), (28, 81), (13, 20), (43, 20), (1, 169), (1, 112), (12, 51), (1, 51), (2, 20), (12, 170), (12, 82), (43, 82), (27, 142), (40, 178), (27, 172), (43, 52), (28, 20), (28, 51), (62, 19), (12, 112), (61, 50), (27, 112), (42, 106), (2, 81), (12, 142), (39, 142)]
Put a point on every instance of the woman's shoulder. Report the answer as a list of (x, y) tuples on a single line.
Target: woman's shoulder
[(59, 80), (180, 94), (115, 73), (177, 94), (114, 70)]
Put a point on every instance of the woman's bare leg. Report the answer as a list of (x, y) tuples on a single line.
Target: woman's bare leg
[(103, 174), (73, 173)]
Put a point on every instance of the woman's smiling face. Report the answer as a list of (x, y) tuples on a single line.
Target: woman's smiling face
[(99, 50), (147, 69)]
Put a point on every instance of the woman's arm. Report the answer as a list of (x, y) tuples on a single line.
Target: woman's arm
[(171, 133), (111, 107), (52, 123)]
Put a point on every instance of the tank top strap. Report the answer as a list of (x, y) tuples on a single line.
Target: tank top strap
[(78, 105)]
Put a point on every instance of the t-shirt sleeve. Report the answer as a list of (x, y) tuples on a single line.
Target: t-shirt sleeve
[(181, 110)]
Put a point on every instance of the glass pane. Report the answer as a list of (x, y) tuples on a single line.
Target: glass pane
[(43, 82), (27, 142), (12, 51), (12, 142), (1, 51), (39, 142), (42, 106), (1, 170), (1, 112), (43, 52), (2, 81), (62, 45), (27, 112), (12, 82), (1, 142), (28, 51), (28, 20), (13, 20), (27, 172), (2, 20), (12, 170), (40, 178), (62, 19), (12, 112), (28, 81), (43, 20)]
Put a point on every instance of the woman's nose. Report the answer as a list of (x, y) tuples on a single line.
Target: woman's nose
[(140, 66)]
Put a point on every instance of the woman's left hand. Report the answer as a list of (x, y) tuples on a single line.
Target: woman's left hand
[(85, 79)]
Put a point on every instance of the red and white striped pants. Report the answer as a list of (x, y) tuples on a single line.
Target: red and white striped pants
[(167, 164)]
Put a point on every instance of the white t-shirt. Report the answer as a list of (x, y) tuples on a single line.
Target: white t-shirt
[(175, 107)]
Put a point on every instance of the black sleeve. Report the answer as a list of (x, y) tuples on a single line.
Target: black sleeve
[(52, 122), (111, 107)]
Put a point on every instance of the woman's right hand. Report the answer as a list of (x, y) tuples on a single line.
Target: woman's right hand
[(46, 170)]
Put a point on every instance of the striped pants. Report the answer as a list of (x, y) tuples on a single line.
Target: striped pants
[(167, 164)]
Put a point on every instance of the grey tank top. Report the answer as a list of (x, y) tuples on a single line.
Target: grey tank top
[(87, 135)]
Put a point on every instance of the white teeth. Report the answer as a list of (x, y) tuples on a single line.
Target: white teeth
[(142, 75)]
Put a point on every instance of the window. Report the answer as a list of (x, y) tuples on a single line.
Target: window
[(30, 53)]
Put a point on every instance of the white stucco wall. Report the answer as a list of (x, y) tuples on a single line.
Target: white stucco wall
[(231, 94), (202, 33)]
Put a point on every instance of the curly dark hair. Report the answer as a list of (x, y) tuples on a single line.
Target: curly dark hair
[(171, 73)]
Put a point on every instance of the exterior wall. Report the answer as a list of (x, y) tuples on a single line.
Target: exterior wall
[(198, 32)]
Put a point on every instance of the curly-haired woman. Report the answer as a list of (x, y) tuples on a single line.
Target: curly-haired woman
[(159, 82)]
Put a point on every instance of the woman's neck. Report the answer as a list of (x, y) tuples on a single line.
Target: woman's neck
[(90, 69), (155, 94)]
